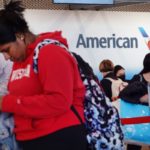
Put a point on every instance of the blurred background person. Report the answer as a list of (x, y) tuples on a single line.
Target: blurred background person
[(106, 68), (137, 91), (7, 137), (144, 75), (119, 72), (111, 84)]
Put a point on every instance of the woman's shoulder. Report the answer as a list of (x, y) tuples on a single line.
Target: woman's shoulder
[(105, 82)]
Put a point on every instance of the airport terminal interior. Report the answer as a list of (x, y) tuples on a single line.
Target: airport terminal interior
[(118, 6)]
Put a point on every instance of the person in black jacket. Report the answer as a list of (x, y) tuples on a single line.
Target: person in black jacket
[(136, 91)]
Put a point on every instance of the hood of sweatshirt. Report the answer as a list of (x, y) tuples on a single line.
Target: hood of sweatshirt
[(57, 35)]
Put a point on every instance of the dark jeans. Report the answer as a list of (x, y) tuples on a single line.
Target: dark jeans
[(133, 147), (71, 138)]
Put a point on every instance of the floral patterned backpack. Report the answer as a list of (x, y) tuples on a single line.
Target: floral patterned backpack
[(101, 117)]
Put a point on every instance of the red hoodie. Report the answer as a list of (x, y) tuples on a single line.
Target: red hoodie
[(41, 102)]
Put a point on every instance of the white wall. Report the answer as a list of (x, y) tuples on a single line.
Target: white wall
[(100, 25)]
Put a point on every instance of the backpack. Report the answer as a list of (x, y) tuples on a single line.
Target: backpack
[(101, 118)]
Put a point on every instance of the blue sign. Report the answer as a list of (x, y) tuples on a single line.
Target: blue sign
[(84, 1), (135, 132)]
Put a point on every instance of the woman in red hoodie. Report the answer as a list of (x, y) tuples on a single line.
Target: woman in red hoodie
[(43, 86)]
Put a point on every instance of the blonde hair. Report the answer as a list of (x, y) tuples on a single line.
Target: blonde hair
[(106, 65)]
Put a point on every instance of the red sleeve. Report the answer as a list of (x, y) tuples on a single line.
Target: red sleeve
[(56, 74)]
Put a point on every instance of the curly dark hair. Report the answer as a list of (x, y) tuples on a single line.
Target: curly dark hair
[(12, 21)]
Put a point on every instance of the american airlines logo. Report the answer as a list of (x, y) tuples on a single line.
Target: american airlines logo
[(146, 36)]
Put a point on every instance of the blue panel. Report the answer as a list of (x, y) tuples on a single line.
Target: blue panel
[(143, 32), (139, 133), (84, 1)]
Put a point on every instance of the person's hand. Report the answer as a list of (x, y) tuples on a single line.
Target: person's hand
[(144, 99), (123, 85), (1, 97)]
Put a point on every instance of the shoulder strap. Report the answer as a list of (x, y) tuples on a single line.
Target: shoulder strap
[(76, 113), (39, 46)]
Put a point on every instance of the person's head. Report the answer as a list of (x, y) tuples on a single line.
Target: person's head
[(106, 66), (146, 64), (119, 72), (13, 31)]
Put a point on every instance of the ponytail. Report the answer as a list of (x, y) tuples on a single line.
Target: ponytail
[(12, 21)]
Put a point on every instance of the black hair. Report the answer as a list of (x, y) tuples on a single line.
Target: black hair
[(117, 68), (146, 64), (12, 21)]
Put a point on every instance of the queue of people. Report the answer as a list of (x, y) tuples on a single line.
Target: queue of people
[(135, 91), (113, 78)]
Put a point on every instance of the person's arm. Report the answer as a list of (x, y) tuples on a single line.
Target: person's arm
[(5, 70), (144, 98), (56, 74), (2, 63), (134, 92)]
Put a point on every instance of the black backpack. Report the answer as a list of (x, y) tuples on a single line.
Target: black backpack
[(101, 117)]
